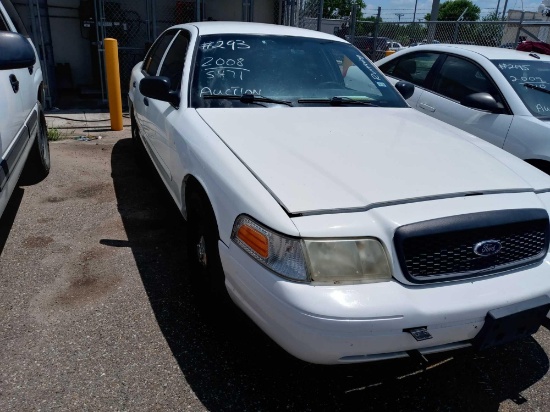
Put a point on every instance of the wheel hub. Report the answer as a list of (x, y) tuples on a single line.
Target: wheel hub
[(201, 251)]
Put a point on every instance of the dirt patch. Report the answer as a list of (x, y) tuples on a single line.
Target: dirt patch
[(91, 279), (37, 241), (43, 220), (87, 279), (85, 289), (90, 191), (55, 199)]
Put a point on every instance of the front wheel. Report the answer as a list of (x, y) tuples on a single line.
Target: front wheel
[(38, 161), (202, 249)]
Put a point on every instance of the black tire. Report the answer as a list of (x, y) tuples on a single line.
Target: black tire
[(206, 271), (38, 163), (139, 148)]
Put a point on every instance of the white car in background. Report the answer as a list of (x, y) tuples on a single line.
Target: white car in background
[(499, 95), (345, 224), (395, 46)]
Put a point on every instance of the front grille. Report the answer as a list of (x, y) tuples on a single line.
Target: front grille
[(443, 249)]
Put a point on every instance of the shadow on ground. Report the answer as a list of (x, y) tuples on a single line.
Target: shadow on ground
[(231, 365), (8, 216)]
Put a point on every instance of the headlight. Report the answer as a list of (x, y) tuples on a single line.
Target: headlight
[(329, 261), (347, 261)]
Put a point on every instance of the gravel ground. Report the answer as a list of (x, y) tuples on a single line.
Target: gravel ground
[(97, 313)]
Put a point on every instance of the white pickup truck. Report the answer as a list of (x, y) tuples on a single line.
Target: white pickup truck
[(23, 134)]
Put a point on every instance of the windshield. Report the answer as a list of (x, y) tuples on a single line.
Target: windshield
[(531, 81), (287, 69)]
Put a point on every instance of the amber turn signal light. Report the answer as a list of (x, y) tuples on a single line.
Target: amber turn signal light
[(254, 240)]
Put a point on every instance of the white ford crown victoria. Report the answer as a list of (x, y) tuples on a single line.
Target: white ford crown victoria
[(347, 225)]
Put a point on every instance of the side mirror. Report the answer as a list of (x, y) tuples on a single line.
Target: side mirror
[(158, 87), (481, 101), (17, 51), (405, 88)]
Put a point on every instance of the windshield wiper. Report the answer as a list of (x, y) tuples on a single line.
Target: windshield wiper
[(535, 87), (249, 98), (338, 101)]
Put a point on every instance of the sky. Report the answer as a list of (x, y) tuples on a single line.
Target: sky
[(390, 7)]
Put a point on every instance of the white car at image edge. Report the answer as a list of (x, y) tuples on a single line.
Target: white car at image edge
[(346, 225), (23, 136)]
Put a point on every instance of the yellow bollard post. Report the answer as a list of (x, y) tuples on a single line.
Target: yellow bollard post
[(113, 83)]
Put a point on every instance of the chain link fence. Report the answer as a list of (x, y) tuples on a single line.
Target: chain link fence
[(305, 14), (376, 39), (123, 20)]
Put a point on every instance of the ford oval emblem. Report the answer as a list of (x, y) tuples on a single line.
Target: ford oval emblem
[(487, 248)]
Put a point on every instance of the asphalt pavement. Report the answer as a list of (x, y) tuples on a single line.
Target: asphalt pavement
[(97, 313)]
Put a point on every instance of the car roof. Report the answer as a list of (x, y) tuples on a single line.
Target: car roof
[(491, 53), (233, 27)]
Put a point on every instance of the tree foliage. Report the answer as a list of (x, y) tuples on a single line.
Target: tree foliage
[(373, 19), (452, 9), (337, 9)]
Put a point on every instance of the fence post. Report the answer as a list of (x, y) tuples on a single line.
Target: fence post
[(352, 23), (376, 28), (433, 21), (504, 10), (455, 34), (113, 83), (519, 29), (320, 16)]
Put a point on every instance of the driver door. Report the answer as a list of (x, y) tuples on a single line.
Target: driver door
[(161, 113), (455, 79)]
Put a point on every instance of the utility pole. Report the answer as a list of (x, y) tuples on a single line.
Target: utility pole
[(399, 16), (504, 10), (433, 18)]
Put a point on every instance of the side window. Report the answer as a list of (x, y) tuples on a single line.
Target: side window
[(154, 57), (413, 68), (15, 19), (172, 65), (3, 25), (459, 78)]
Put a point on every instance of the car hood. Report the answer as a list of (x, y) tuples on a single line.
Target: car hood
[(318, 160)]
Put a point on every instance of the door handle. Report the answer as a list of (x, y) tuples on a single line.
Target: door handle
[(426, 107), (145, 101), (14, 83)]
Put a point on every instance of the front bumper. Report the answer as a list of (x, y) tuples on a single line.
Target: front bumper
[(360, 323)]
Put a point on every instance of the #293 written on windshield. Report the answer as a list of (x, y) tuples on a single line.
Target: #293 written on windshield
[(229, 69)]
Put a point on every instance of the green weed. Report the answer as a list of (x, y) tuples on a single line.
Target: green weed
[(54, 134)]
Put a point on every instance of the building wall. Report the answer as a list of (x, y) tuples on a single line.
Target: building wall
[(69, 45), (232, 10), (542, 32), (138, 22), (265, 11)]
